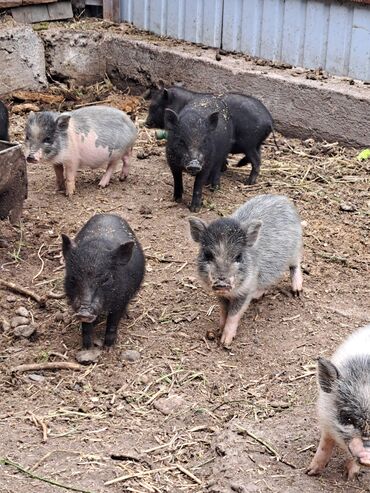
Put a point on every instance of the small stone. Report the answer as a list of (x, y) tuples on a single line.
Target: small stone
[(22, 311), (11, 299), (144, 210), (347, 207), (131, 355), (5, 325), (167, 405), (59, 317), (88, 356), (279, 404), (15, 321), (218, 57), (211, 336), (25, 331), (143, 154), (35, 377)]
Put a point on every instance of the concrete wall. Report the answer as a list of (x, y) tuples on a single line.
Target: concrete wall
[(22, 60), (331, 109)]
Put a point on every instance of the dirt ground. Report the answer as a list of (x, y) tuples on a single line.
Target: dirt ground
[(242, 420)]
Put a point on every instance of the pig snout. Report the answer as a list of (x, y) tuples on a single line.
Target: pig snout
[(86, 314), (31, 159), (149, 123), (194, 167), (221, 285)]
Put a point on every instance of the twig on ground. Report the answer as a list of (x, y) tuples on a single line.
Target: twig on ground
[(138, 475), (188, 473), (42, 262), (53, 365), (26, 292), (267, 446), (7, 462)]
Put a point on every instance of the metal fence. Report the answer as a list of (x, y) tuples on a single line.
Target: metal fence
[(308, 33)]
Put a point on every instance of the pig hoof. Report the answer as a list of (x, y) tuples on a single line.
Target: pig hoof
[(177, 199), (315, 469), (351, 469), (122, 177), (194, 208), (103, 183), (296, 293), (215, 188)]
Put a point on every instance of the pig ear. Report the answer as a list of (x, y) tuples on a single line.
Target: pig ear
[(252, 231), (171, 119), (328, 374), (63, 121), (165, 95), (123, 253), (213, 121), (160, 85), (197, 228), (68, 245)]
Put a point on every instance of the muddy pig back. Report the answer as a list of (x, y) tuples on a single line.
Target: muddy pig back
[(4, 122), (174, 98), (344, 404), (104, 269)]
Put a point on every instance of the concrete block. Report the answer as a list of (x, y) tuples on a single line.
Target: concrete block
[(22, 60)]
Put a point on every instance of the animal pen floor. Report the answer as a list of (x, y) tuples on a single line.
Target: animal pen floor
[(245, 419)]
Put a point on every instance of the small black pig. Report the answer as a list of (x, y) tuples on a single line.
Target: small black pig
[(105, 266), (199, 140), (4, 122), (251, 121)]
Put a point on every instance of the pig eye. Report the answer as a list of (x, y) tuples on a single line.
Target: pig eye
[(208, 256), (239, 258), (47, 140), (347, 419)]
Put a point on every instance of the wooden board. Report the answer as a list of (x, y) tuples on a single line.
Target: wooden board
[(38, 13), (8, 4), (111, 10)]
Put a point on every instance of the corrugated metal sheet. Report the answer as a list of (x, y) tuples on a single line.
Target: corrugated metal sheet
[(306, 33), (198, 21)]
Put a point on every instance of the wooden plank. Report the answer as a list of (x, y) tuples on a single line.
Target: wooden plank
[(38, 13), (8, 4), (111, 10)]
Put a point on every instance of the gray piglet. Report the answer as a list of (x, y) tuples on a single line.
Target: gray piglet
[(242, 255), (344, 404)]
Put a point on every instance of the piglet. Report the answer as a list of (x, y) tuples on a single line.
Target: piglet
[(93, 137), (105, 267), (242, 255), (344, 404)]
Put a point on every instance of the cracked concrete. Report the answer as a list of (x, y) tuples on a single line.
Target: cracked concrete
[(22, 60)]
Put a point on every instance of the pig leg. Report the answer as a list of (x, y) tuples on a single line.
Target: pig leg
[(104, 182), (111, 330), (215, 180), (352, 468), (236, 310), (254, 157), (196, 201), (125, 165), (322, 456), (296, 279), (70, 178), (59, 175), (178, 189), (87, 334), (224, 307)]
